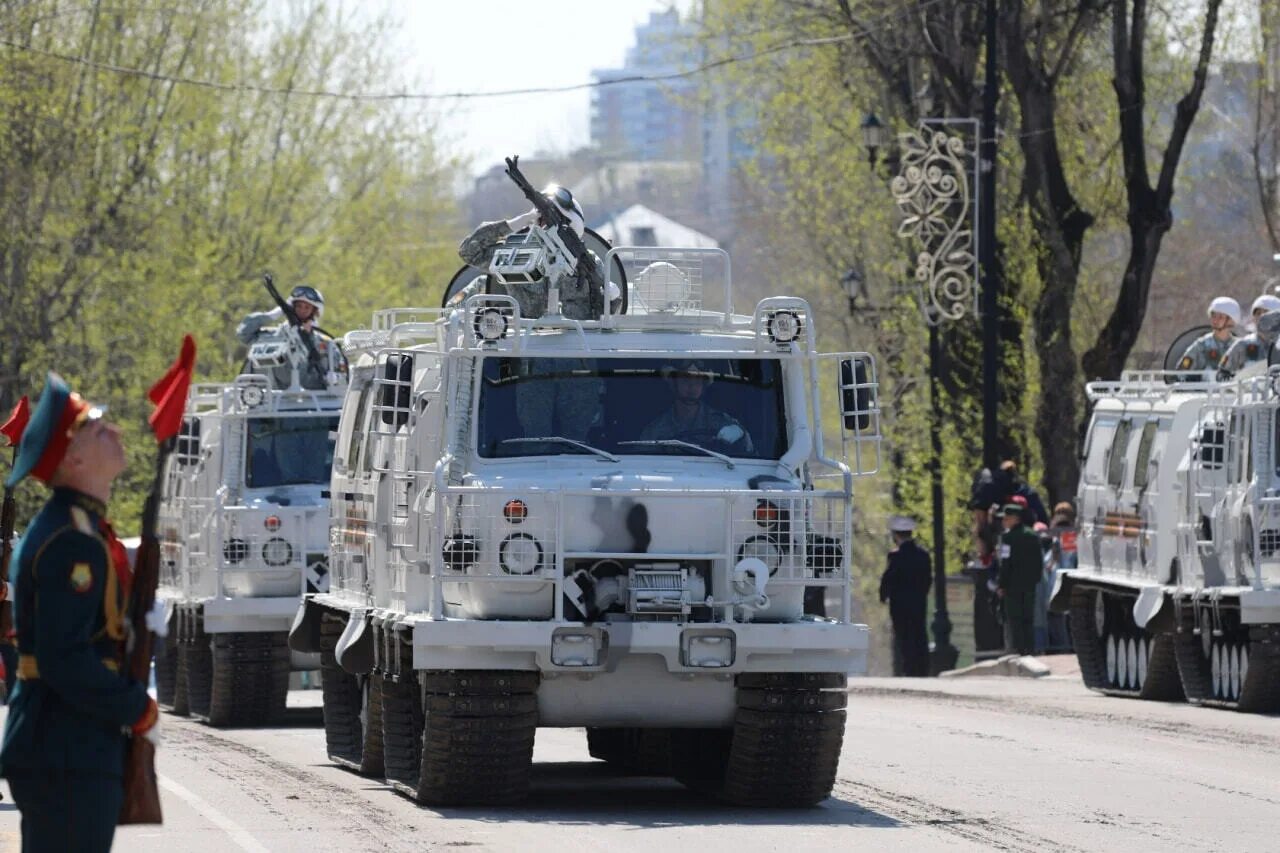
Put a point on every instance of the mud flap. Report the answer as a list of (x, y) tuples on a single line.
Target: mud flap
[(304, 634), (1060, 598), (1150, 613), (355, 647)]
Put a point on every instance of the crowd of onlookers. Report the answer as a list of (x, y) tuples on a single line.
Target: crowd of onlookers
[(994, 498)]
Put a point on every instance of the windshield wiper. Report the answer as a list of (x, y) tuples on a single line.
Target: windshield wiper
[(675, 442), (603, 454)]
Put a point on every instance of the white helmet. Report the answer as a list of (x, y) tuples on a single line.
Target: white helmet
[(569, 206), (1226, 305), (1266, 302), (308, 294)]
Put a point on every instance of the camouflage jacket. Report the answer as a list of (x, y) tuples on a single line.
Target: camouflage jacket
[(578, 300), (1204, 353), (1244, 351)]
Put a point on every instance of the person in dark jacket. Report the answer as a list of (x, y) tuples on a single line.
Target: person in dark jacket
[(74, 705), (905, 586), (1021, 565), (1015, 487)]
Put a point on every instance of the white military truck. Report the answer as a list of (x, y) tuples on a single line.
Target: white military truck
[(607, 524), (1177, 592), (244, 527)]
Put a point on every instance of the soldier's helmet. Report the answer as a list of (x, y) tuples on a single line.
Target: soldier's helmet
[(1266, 302), (1269, 326), (310, 295), (692, 368), (564, 200), (1226, 305)]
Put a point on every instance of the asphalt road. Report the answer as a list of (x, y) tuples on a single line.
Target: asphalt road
[(963, 764)]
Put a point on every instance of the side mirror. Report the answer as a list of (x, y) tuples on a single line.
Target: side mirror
[(857, 393), (397, 385)]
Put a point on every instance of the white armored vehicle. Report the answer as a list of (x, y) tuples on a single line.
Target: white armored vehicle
[(244, 526), (607, 524), (1178, 587)]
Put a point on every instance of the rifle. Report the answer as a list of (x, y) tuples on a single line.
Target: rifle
[(141, 792), (554, 217), (314, 358)]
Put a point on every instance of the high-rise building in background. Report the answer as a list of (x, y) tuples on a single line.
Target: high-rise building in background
[(651, 119)]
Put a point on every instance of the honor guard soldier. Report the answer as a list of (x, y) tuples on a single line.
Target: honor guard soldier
[(1255, 347), (73, 706), (1206, 351), (905, 586)]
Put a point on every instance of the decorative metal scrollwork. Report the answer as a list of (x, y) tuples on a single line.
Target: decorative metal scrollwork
[(934, 189)]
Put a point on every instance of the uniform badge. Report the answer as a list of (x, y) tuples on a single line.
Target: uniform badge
[(1213, 354), (81, 577)]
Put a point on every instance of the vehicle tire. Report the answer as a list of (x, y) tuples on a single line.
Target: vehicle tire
[(477, 741), (342, 700), (166, 668), (250, 681), (786, 740), (199, 668), (371, 754), (402, 722), (181, 706)]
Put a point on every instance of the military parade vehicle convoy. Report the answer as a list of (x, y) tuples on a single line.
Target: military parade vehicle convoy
[(244, 526), (608, 524), (1177, 593)]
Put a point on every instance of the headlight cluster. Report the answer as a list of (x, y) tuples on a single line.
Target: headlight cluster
[(277, 552)]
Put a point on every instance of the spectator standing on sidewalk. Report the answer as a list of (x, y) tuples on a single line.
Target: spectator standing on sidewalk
[(1021, 565)]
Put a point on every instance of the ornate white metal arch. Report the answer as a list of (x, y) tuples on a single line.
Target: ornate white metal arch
[(935, 189)]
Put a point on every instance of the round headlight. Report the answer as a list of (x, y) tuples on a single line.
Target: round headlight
[(491, 324), (235, 550), (252, 395), (784, 327), (277, 552), (520, 554), (763, 548)]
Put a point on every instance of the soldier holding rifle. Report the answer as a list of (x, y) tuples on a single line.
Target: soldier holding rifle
[(74, 707)]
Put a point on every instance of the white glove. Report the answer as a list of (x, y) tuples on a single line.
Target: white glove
[(523, 221), (613, 291), (153, 734), (276, 313), (730, 434), (157, 618)]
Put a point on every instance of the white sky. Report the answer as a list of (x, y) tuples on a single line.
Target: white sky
[(485, 45)]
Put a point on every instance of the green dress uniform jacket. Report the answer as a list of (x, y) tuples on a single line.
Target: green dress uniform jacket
[(64, 742)]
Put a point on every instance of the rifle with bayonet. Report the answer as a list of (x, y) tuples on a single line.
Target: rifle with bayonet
[(554, 218)]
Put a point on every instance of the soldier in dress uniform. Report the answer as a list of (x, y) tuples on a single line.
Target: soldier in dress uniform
[(74, 705), (1021, 565), (1255, 347), (905, 586), (1206, 351)]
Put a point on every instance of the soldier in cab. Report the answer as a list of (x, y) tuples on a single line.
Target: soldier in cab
[(1206, 351)]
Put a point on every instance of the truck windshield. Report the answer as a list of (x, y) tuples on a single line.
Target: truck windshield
[(622, 406), (289, 451)]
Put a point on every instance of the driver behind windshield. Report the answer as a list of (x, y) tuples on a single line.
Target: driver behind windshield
[(690, 418)]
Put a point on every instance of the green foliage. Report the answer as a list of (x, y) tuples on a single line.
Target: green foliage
[(137, 207)]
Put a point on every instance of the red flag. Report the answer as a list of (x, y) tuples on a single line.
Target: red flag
[(170, 394), (11, 430)]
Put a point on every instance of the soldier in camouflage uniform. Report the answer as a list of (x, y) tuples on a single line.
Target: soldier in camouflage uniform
[(308, 305), (557, 403), (1206, 351), (1251, 348), (578, 300), (690, 419)]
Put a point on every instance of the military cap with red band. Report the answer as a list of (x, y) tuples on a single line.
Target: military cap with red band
[(49, 431)]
